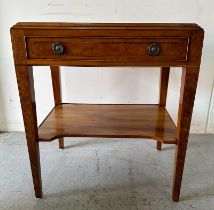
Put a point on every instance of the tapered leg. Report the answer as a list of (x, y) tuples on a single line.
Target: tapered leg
[(26, 92), (164, 80), (187, 97), (56, 82)]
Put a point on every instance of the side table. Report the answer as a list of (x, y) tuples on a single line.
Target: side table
[(118, 44)]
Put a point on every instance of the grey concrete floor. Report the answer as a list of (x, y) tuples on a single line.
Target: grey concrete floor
[(101, 174)]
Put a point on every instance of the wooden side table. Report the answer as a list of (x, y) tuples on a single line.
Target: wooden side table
[(72, 44)]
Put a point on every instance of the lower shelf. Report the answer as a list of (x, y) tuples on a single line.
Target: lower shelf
[(102, 120)]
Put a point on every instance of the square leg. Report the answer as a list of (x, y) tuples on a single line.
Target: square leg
[(164, 80), (56, 82), (24, 76), (187, 97)]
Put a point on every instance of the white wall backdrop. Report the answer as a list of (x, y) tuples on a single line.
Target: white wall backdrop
[(106, 85)]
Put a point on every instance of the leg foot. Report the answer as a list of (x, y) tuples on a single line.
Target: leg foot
[(158, 145), (175, 196), (33, 149), (61, 143)]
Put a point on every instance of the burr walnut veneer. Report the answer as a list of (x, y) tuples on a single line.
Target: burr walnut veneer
[(90, 45)]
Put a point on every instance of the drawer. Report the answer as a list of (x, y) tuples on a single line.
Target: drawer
[(109, 49)]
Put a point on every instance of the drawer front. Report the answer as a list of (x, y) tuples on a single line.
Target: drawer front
[(109, 49)]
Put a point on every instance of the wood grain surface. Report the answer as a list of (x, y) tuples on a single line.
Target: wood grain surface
[(141, 121)]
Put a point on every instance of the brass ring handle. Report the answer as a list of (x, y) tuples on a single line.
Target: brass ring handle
[(154, 49), (57, 48)]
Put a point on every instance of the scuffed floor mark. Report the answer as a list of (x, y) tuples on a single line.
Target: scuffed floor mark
[(97, 162), (131, 174), (150, 206), (132, 184), (109, 169)]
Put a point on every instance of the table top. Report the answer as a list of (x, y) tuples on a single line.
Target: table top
[(63, 25)]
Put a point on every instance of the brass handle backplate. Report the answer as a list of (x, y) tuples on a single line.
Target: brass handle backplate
[(154, 49), (57, 48)]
